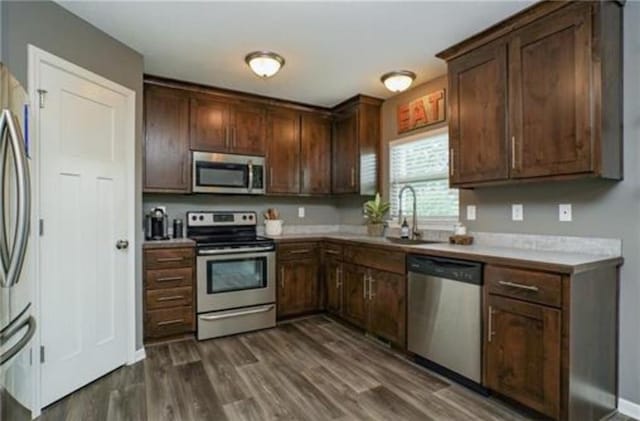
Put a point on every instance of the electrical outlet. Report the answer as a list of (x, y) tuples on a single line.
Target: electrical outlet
[(517, 212), (471, 212), (565, 212), (300, 212)]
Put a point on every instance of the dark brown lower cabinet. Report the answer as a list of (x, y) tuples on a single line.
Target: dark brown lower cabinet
[(333, 285), (298, 286), (387, 305), (523, 353), (354, 308)]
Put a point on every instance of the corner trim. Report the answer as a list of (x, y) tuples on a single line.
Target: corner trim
[(628, 408), (139, 355)]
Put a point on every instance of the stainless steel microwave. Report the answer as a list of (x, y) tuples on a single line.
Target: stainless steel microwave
[(230, 174)]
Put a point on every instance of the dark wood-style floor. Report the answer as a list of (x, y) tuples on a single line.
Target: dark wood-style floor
[(311, 369)]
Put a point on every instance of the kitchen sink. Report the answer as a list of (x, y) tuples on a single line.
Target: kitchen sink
[(409, 241)]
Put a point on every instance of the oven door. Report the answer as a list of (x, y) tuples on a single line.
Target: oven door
[(227, 281)]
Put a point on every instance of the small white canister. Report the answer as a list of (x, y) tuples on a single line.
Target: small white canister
[(273, 227), (459, 229)]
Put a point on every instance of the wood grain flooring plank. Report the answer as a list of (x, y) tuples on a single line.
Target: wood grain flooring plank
[(236, 351), (184, 352), (196, 397), (477, 406), (222, 374), (245, 410), (160, 396), (382, 403)]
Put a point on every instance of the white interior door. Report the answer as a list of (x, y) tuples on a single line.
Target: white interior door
[(83, 202)]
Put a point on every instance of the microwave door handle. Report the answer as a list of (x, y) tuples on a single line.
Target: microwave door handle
[(250, 165)]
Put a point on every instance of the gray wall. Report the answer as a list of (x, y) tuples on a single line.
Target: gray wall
[(50, 27), (318, 210), (600, 208)]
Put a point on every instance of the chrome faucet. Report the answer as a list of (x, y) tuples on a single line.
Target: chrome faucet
[(415, 234)]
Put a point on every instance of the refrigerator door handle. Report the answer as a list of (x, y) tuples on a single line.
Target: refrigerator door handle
[(11, 261), (30, 323)]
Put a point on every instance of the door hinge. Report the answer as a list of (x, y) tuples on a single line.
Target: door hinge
[(42, 354), (41, 94), (41, 227)]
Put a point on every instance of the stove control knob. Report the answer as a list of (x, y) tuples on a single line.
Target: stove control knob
[(244, 217), (193, 217), (201, 218), (250, 217)]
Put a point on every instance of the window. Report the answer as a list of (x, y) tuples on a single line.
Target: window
[(423, 163)]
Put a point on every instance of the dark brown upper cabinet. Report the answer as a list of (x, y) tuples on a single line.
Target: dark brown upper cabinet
[(283, 154), (315, 154), (167, 161), (538, 96), (220, 126), (355, 145)]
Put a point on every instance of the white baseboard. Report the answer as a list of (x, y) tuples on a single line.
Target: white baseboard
[(628, 408), (139, 356)]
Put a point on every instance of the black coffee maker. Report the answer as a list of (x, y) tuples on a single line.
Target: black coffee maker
[(156, 224)]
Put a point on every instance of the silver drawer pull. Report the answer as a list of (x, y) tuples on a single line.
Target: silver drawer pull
[(171, 322), (520, 286), (171, 298), (237, 314), (170, 259), (170, 279), (332, 252), (299, 251)]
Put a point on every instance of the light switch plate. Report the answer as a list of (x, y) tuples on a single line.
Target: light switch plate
[(565, 214), (300, 212), (517, 212), (471, 212)]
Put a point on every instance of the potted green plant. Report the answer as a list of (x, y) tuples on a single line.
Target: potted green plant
[(375, 211)]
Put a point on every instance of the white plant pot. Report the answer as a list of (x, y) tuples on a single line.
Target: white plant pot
[(273, 227)]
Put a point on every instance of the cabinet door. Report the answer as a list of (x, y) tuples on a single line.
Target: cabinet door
[(283, 152), (315, 154), (298, 287), (345, 153), (478, 121), (248, 131), (209, 125), (387, 306), (333, 281), (166, 143), (523, 353), (354, 305), (550, 77)]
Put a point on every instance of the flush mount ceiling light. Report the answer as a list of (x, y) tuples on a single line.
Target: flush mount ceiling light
[(264, 63), (398, 81)]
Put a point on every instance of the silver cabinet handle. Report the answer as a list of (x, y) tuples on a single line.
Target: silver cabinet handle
[(237, 314), (519, 286), (171, 298), (513, 152), (300, 251), (490, 331), (364, 286), (371, 281), (353, 176), (170, 279), (453, 161), (332, 252), (169, 259), (171, 322), (282, 277)]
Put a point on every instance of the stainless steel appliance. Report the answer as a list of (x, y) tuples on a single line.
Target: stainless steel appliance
[(156, 224), (225, 173), (235, 271), (17, 325), (444, 326)]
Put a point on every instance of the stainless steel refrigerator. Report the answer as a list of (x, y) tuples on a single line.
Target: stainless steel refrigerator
[(17, 324)]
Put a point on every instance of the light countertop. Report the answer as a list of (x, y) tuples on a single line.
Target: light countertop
[(173, 242)]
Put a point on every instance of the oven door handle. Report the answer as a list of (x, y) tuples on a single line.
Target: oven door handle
[(233, 251), (237, 313)]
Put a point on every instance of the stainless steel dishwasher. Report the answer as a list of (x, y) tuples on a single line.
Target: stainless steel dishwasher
[(445, 317)]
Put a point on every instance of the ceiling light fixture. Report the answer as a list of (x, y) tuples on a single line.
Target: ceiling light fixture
[(398, 81), (264, 63)]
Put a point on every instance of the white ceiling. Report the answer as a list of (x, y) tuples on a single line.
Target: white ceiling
[(333, 50)]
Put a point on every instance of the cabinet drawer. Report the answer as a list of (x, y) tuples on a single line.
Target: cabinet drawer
[(170, 297), (166, 322), (332, 250), (168, 278), (168, 258), (297, 251), (538, 287), (382, 259)]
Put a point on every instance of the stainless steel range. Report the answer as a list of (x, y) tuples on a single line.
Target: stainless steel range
[(235, 271)]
